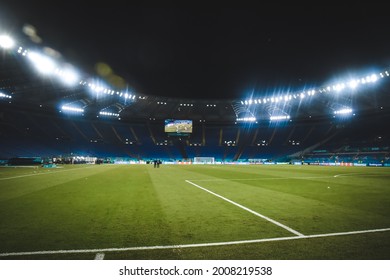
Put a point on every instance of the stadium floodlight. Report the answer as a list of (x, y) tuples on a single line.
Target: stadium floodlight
[(279, 118), (339, 87), (108, 114), (22, 51), (6, 42), (3, 95), (44, 64), (247, 119), (68, 76), (345, 111), (353, 83), (72, 109), (372, 79)]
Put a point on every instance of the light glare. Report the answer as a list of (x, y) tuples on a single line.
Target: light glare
[(6, 42), (43, 63)]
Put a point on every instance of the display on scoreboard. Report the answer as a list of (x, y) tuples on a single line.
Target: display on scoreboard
[(178, 127)]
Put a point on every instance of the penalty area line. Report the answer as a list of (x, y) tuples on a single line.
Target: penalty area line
[(358, 174), (261, 178), (99, 251), (247, 209)]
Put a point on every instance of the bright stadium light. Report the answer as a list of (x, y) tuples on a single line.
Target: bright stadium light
[(345, 111), (43, 63), (279, 118), (66, 108), (373, 78), (247, 119), (339, 87), (6, 42), (3, 95), (108, 114), (68, 76), (353, 84)]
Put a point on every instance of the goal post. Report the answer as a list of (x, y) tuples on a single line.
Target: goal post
[(204, 160)]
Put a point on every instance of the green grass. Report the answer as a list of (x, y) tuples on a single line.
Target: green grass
[(85, 207)]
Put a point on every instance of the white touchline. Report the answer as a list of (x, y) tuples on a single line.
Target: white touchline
[(99, 256), (247, 209), (44, 173), (83, 251)]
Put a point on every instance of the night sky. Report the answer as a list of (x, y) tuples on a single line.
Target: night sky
[(208, 51)]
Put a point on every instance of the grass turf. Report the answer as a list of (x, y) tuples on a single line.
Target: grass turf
[(122, 206)]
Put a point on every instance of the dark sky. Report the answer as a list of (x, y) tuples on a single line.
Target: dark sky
[(209, 51)]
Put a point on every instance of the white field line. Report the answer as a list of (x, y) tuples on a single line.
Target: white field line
[(267, 178), (99, 251), (20, 166), (99, 256), (247, 209), (345, 174), (288, 178), (44, 173), (358, 174)]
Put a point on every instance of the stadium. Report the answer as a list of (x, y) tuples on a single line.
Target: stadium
[(287, 174)]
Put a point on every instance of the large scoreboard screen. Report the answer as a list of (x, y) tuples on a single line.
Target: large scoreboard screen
[(178, 127)]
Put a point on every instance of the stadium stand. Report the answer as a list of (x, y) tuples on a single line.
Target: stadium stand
[(33, 124), (27, 134)]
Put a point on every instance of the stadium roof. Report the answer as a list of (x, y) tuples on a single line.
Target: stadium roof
[(213, 65)]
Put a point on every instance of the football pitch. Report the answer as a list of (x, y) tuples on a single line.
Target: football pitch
[(195, 212)]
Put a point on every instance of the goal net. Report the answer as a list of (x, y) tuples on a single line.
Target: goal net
[(204, 160)]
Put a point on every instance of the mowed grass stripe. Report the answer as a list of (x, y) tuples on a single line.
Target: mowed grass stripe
[(11, 171), (44, 178), (119, 206), (138, 206), (370, 194), (15, 172), (247, 209), (198, 217), (316, 205), (112, 207), (48, 171)]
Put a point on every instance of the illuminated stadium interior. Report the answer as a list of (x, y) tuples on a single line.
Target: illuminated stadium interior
[(50, 109), (141, 164)]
